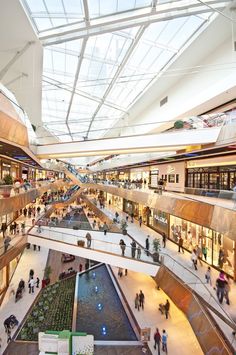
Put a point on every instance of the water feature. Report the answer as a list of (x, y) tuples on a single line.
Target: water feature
[(100, 311)]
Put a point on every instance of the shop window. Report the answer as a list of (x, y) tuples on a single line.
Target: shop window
[(171, 178)]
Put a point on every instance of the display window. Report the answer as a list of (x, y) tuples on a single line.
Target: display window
[(3, 279), (217, 249), (158, 220)]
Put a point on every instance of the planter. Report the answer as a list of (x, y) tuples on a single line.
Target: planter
[(156, 257), (80, 243), (124, 232)]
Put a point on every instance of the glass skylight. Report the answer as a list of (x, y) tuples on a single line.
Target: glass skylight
[(90, 80)]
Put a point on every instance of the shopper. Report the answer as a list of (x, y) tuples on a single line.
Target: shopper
[(140, 220), (194, 259), (221, 258), (132, 217), (136, 301), (164, 340), (167, 308), (7, 241), (138, 252), (208, 276), (89, 239), (204, 252), (133, 249), (157, 340), (180, 243), (105, 228), (147, 244), (37, 282), (164, 240), (220, 286), (122, 246), (199, 254), (31, 285), (141, 299), (120, 272)]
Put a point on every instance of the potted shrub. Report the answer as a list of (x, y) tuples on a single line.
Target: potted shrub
[(80, 243), (179, 124), (123, 226), (156, 248), (6, 185), (47, 273)]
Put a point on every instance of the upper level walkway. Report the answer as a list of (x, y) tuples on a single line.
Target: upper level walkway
[(165, 141), (19, 198), (103, 248), (203, 213)]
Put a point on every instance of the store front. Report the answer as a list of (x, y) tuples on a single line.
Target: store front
[(115, 201), (158, 220), (218, 248), (131, 207)]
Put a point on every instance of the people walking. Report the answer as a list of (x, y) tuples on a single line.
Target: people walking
[(208, 276), (194, 259), (138, 252), (180, 243), (164, 340), (7, 241), (31, 285), (220, 286), (105, 228), (141, 299), (89, 239), (133, 249), (147, 245), (164, 240), (122, 246), (204, 252), (37, 282), (199, 254), (140, 220), (157, 340), (167, 308), (136, 301), (132, 217)]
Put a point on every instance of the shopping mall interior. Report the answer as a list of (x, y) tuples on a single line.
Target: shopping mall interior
[(117, 177)]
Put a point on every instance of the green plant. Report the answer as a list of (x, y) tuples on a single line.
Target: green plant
[(47, 272), (8, 179), (156, 245), (123, 224), (179, 124)]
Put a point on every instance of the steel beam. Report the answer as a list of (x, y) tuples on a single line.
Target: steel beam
[(127, 19), (119, 70), (14, 59)]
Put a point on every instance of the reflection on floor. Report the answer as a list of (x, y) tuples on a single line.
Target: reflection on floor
[(150, 317)]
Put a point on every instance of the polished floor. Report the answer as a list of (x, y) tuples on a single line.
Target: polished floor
[(182, 266), (150, 317)]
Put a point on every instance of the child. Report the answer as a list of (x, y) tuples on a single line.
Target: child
[(208, 276)]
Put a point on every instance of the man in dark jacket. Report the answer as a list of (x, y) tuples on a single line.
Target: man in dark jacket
[(147, 245), (157, 340)]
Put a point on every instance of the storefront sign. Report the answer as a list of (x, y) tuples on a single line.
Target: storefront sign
[(160, 219)]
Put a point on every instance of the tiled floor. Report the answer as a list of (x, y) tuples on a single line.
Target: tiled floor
[(150, 317)]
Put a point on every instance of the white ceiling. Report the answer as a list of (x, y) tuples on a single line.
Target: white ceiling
[(91, 79)]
